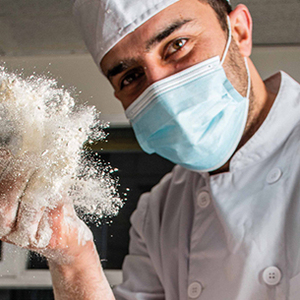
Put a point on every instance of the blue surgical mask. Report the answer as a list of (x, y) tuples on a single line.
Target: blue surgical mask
[(194, 118)]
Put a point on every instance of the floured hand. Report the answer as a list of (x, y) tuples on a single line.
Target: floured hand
[(56, 232)]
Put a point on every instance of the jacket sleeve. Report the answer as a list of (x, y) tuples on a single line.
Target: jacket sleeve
[(140, 279)]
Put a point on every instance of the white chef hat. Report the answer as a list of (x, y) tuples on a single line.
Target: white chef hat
[(105, 22)]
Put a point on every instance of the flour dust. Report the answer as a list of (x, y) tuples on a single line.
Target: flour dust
[(42, 121)]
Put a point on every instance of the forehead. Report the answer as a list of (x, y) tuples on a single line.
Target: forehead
[(136, 41)]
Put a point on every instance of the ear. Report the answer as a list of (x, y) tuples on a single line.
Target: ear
[(241, 26)]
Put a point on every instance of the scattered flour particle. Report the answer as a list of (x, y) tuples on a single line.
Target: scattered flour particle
[(42, 121)]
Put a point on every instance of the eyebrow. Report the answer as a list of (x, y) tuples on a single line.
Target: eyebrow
[(165, 33), (120, 67), (127, 63)]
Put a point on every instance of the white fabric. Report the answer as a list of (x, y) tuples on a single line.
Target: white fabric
[(105, 22), (252, 222)]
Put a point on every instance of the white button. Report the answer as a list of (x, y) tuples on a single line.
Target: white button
[(194, 290), (274, 175), (203, 199), (272, 275)]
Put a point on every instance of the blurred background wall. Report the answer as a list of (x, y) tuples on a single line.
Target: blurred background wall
[(41, 36)]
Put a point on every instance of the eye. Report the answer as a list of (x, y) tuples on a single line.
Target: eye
[(175, 46), (130, 77)]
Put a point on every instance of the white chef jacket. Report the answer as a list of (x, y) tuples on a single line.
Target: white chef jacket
[(231, 236)]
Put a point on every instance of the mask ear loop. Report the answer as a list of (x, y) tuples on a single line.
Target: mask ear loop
[(245, 58), (228, 41), (249, 78)]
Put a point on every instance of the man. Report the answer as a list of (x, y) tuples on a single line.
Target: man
[(225, 223)]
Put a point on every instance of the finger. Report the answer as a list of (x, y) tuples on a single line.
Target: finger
[(57, 246), (83, 232), (44, 231), (64, 244), (13, 182), (26, 227), (30, 217), (68, 229)]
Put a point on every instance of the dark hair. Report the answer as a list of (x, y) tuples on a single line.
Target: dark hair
[(222, 8)]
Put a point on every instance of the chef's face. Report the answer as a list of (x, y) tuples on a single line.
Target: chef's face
[(178, 37)]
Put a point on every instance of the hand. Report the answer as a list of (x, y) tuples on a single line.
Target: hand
[(55, 232)]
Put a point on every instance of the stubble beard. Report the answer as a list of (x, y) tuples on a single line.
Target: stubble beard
[(238, 75)]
